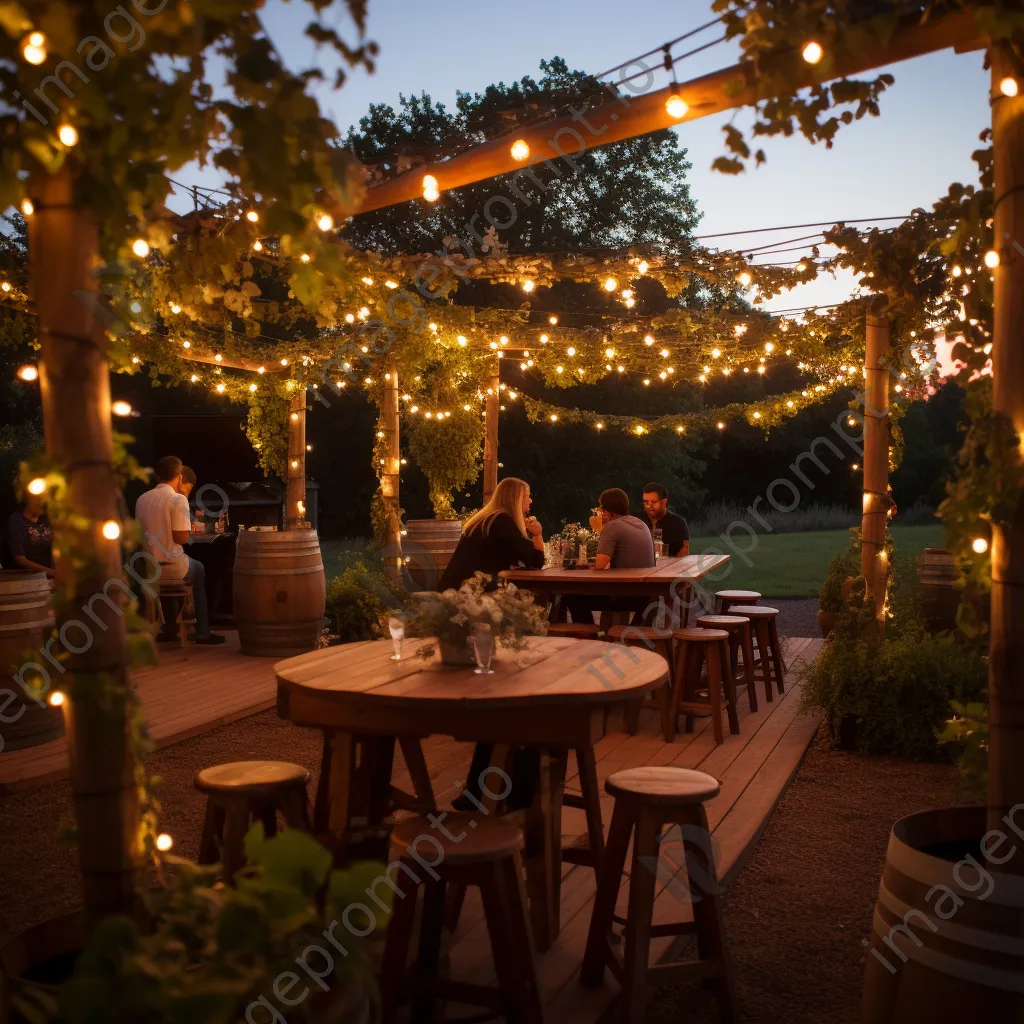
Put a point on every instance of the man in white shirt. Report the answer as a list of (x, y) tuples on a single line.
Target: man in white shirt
[(163, 515)]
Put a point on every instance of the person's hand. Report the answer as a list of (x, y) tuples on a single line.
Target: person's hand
[(596, 523), (533, 527)]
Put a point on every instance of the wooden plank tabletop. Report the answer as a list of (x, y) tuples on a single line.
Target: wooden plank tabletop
[(550, 671), (688, 567)]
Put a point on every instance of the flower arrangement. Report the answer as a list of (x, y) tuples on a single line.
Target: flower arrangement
[(452, 616), (573, 534)]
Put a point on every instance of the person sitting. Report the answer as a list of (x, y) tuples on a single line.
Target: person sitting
[(500, 536), (624, 542), (675, 534), (28, 539), (162, 513)]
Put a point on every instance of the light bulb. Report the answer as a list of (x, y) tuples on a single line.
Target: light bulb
[(559, 369), (33, 48), (175, 308), (28, 372), (218, 358), (252, 216), (121, 408), (220, 389), (141, 248), (801, 267), (979, 545), (769, 347), (642, 267), (68, 135), (164, 842), (391, 284), (193, 378), (680, 430), (5, 286), (27, 208), (552, 320), (1009, 87), (611, 284), (554, 417), (463, 342), (744, 279), (295, 463), (325, 222), (304, 257), (111, 530), (252, 387), (284, 362), (56, 699), (37, 486), (813, 52), (600, 426), (571, 350), (677, 107), (257, 246), (648, 340), (992, 259), (520, 150), (957, 271), (528, 286), (757, 415), (503, 339)]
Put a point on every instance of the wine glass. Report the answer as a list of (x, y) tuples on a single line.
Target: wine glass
[(482, 643), (396, 627)]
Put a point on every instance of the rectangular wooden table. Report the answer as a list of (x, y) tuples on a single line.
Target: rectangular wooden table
[(671, 580)]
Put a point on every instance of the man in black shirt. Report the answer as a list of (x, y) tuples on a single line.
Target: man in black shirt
[(675, 534)]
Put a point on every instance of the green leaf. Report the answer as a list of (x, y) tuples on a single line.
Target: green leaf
[(291, 859)]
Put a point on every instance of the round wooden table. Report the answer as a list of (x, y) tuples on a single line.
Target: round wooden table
[(554, 695)]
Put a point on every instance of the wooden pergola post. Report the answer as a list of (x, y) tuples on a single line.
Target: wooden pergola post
[(1006, 637), (873, 559), (389, 472), (295, 513), (491, 403), (75, 390)]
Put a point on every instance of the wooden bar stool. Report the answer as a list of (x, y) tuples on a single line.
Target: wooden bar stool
[(725, 599), (647, 799), (741, 638), (173, 608), (469, 850), (694, 648), (766, 637), (651, 639), (242, 792), (577, 630)]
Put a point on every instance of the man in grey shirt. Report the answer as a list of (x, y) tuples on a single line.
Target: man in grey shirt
[(625, 543)]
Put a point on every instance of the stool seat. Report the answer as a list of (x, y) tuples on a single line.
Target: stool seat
[(721, 621), (255, 778), (766, 634), (576, 630), (698, 635), (472, 844), (741, 638), (754, 611), (662, 784), (738, 595)]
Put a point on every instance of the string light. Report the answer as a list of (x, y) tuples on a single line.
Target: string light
[(56, 699), (1009, 87), (611, 284), (677, 107), (121, 408), (680, 430), (812, 53), (27, 208), (648, 341), (463, 342), (571, 351), (431, 189), (745, 279), (28, 372), (5, 286), (37, 486), (164, 842), (528, 286), (33, 48), (757, 415), (141, 248), (295, 463), (68, 135), (220, 389), (715, 353), (257, 246), (520, 150), (720, 425), (284, 362), (252, 217), (325, 222), (218, 358), (979, 545), (801, 267), (503, 340), (111, 530), (252, 387), (554, 417), (304, 257), (642, 267), (552, 320), (992, 259), (193, 378)]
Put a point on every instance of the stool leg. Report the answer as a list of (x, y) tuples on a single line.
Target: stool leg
[(729, 682), (295, 809), (429, 956), (608, 885), (780, 667), (396, 946), (504, 903), (633, 716), (586, 764), (748, 666), (268, 815), (639, 917), (715, 690), (213, 830), (707, 905), (764, 657), (236, 824)]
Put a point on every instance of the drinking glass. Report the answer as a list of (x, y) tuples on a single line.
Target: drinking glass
[(396, 627), (482, 643)]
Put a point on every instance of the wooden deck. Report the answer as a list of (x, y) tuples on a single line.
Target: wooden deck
[(180, 699), (754, 769)]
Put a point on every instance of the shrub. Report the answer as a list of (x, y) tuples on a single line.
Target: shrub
[(841, 568), (892, 695), (358, 599)]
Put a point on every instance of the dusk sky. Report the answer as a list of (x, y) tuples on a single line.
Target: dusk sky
[(879, 167)]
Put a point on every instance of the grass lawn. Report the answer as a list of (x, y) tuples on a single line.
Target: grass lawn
[(794, 564), (784, 564)]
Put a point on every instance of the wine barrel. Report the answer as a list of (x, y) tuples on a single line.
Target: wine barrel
[(26, 620), (280, 592), (948, 940), (429, 544), (937, 575)]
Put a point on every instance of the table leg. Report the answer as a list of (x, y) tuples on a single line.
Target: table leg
[(543, 827), (333, 792)]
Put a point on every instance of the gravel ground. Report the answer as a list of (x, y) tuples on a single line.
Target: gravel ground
[(797, 616), (796, 915)]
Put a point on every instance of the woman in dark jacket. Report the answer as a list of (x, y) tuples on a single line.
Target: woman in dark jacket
[(500, 536)]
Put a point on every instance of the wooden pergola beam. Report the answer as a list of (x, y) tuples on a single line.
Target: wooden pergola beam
[(251, 365), (625, 118)]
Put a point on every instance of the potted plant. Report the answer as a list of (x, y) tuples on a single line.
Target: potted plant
[(453, 616)]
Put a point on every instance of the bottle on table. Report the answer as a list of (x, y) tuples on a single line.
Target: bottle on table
[(659, 544)]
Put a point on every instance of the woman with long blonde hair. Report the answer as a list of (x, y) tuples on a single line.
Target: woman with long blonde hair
[(500, 536)]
